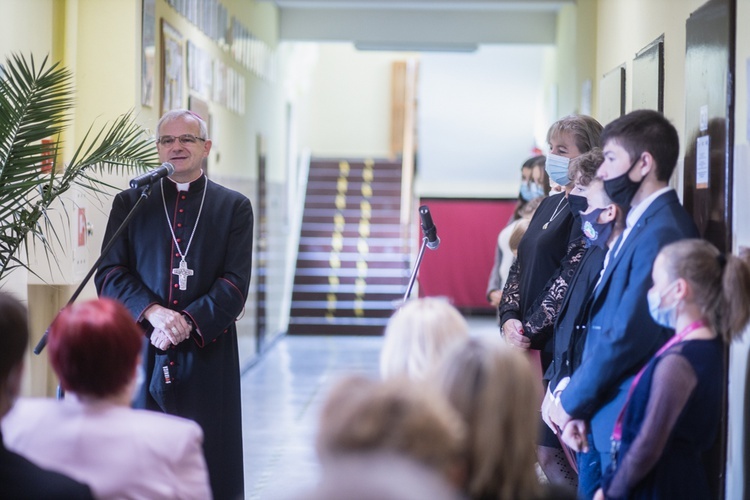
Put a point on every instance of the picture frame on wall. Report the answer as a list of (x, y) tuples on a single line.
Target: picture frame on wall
[(612, 95), (148, 53), (200, 108), (172, 68), (648, 76)]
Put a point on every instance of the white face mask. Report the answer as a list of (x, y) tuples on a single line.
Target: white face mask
[(557, 168), (664, 316)]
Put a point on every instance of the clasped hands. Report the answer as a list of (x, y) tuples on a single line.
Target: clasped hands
[(513, 333), (170, 327), (574, 431)]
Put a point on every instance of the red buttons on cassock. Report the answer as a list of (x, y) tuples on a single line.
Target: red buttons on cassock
[(174, 302), (176, 285), (182, 210), (182, 197), (179, 224), (171, 363)]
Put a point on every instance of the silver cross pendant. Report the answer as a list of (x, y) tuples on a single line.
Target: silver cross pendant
[(183, 272)]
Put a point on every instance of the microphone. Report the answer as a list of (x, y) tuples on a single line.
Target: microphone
[(428, 228), (152, 176)]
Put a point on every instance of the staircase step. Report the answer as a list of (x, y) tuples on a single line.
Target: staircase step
[(329, 201), (372, 289), (353, 272), (349, 295), (323, 279), (351, 225), (351, 241), (355, 256), (352, 213), (354, 185), (316, 264), (314, 328)]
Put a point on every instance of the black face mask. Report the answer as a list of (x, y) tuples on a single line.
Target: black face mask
[(577, 204), (596, 233), (621, 190)]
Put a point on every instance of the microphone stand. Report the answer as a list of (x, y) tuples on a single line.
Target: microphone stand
[(416, 269), (144, 194)]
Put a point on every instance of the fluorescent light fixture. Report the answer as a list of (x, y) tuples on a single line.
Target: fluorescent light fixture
[(416, 46)]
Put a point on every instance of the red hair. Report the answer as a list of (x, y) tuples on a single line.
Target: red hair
[(93, 347)]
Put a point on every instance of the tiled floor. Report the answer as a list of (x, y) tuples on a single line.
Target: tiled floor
[(282, 395)]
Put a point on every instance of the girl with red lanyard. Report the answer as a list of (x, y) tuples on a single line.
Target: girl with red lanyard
[(672, 413)]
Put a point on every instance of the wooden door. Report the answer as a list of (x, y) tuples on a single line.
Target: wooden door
[(709, 132)]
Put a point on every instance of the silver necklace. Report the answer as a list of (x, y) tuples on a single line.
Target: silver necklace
[(182, 271), (557, 211)]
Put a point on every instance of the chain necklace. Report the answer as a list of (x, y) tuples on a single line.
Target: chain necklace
[(182, 271), (557, 211)]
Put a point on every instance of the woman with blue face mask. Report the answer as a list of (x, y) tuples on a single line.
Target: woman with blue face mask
[(534, 187), (673, 410), (550, 248)]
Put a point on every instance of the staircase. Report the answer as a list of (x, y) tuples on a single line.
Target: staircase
[(353, 263)]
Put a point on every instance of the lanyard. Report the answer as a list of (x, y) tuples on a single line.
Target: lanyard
[(617, 432)]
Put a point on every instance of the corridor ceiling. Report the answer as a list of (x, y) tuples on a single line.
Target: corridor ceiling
[(420, 25)]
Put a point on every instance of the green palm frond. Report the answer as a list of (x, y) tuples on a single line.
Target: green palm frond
[(35, 104)]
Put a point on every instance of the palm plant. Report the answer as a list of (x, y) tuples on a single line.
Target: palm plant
[(35, 105)]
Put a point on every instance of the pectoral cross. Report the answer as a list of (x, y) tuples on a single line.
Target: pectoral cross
[(183, 272)]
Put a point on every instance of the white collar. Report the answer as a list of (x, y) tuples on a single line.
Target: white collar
[(637, 211), (185, 186)]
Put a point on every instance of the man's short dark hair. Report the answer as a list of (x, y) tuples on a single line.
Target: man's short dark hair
[(15, 331), (646, 130)]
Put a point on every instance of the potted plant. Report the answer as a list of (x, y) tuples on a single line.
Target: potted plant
[(35, 106)]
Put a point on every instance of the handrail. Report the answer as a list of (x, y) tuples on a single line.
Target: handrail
[(296, 214)]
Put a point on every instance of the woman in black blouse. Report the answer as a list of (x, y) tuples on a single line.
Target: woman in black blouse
[(552, 247)]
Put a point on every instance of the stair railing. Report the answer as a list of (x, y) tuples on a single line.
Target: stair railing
[(296, 214), (408, 198)]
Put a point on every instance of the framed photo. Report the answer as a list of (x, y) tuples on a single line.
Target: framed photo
[(648, 77), (199, 71), (200, 108), (172, 68), (148, 53), (612, 95)]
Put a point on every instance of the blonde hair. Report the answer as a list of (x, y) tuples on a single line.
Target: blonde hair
[(397, 415), (720, 283), (417, 336), (515, 237), (585, 130), (495, 391)]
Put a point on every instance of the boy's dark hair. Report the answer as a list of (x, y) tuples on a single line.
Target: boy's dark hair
[(646, 130)]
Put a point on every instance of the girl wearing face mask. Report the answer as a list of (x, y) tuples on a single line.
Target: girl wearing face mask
[(534, 187), (550, 249), (673, 409)]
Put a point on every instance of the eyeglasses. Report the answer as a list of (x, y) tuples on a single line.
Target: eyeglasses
[(185, 139)]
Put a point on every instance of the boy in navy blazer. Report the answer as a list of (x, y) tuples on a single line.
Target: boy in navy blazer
[(640, 154)]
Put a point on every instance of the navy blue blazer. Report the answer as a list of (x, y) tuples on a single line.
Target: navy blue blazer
[(622, 337), (20, 479), (568, 321)]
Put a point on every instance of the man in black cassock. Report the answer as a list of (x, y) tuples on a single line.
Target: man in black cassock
[(182, 268)]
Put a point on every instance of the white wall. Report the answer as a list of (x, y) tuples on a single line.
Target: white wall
[(17, 19), (477, 118), (348, 113)]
